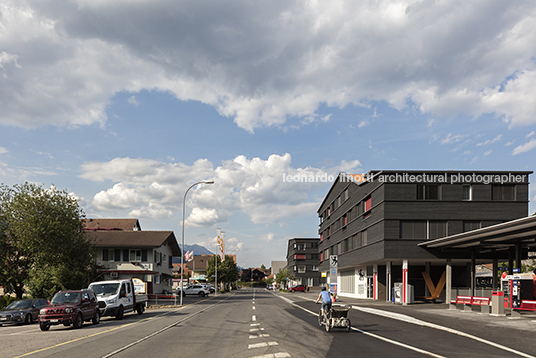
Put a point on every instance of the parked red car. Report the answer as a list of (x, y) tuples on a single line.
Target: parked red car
[(301, 288), (70, 307)]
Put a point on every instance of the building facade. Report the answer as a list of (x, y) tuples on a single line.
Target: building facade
[(374, 223), (124, 251), (303, 261)]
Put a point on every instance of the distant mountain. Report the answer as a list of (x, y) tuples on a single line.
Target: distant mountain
[(197, 249)]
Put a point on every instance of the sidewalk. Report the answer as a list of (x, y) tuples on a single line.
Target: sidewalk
[(502, 329)]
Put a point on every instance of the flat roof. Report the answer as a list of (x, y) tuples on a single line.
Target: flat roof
[(498, 237)]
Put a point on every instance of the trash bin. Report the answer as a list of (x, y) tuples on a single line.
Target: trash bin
[(497, 303)]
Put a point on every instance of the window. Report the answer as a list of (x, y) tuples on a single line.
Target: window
[(301, 269), (345, 220), (471, 225), (345, 195), (108, 255), (299, 257), (503, 192), (428, 192), (467, 192), (321, 237), (135, 255), (334, 250), (364, 237), (437, 229), (413, 229), (321, 256), (314, 256), (422, 229), (314, 268), (367, 204), (300, 247)]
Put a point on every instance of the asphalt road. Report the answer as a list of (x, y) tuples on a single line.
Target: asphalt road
[(245, 324)]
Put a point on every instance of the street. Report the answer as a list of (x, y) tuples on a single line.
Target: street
[(250, 323)]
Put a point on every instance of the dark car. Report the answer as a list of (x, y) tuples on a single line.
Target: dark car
[(302, 288), (70, 307), (22, 311)]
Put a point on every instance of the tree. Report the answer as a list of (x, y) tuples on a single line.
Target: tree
[(43, 246), (227, 270), (282, 276), (263, 268), (245, 275)]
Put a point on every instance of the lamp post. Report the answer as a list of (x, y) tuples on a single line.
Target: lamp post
[(182, 249)]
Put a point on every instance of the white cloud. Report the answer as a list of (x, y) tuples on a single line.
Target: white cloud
[(452, 138), (261, 63), (255, 187), (132, 100), (3, 150), (530, 134), (531, 144), (490, 141)]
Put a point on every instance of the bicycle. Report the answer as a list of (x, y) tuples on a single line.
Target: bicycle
[(335, 317)]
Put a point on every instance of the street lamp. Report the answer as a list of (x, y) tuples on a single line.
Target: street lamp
[(182, 249)]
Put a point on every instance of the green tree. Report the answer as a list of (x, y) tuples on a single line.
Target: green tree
[(282, 276), (42, 241), (263, 268), (227, 270)]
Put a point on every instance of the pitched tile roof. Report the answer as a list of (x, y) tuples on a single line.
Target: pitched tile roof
[(112, 224), (134, 239)]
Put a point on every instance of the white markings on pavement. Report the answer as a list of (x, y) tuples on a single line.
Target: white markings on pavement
[(371, 334), (262, 344), (262, 335), (409, 319)]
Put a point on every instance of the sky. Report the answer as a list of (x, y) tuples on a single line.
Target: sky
[(125, 104)]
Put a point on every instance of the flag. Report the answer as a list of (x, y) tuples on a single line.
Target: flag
[(191, 257), (188, 256)]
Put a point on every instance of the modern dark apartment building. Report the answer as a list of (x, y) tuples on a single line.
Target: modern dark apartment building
[(303, 260), (375, 222)]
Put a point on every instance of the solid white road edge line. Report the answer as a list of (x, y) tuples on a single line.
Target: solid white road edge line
[(409, 319), (373, 335)]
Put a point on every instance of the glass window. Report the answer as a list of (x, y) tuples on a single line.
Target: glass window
[(503, 192), (428, 191), (471, 225), (437, 229), (413, 229), (135, 255), (467, 192)]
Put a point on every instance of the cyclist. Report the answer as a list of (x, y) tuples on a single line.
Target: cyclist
[(325, 296)]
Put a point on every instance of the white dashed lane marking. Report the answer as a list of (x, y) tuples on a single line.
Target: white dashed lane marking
[(262, 335)]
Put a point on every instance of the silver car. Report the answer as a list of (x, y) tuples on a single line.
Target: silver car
[(200, 290), (22, 311)]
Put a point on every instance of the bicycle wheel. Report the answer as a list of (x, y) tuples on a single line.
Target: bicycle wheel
[(320, 319)]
